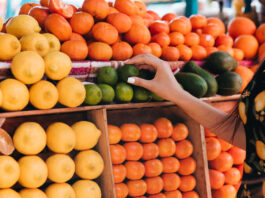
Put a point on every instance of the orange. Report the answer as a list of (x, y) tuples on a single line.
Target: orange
[(135, 170), (248, 44), (185, 53), (170, 53), (153, 168), (237, 186), (198, 21), (164, 127), (173, 194), (121, 190), (170, 164), (118, 154), (136, 19), (97, 8), (167, 147), (187, 166), (212, 29), (238, 155), (138, 34), (134, 150), (187, 183), (169, 17), (76, 50), (218, 22), (198, 52), (154, 15), (232, 176), (114, 134), (213, 148), (156, 49), (224, 39), (241, 26), (208, 133), (176, 38), (206, 40), (246, 75), (223, 162), (137, 188), (120, 21), (151, 151), (105, 32), (154, 185), (113, 10), (184, 149), (44, 3), (162, 39), (171, 181), (225, 146), (180, 132), (40, 14), (191, 194), (210, 50), (226, 191), (217, 179), (148, 133), (254, 68), (141, 48), (24, 9), (260, 33), (226, 49), (238, 54), (82, 22), (127, 7), (141, 7), (158, 27), (130, 132), (77, 37), (192, 39), (99, 51), (121, 51), (159, 195), (261, 52), (148, 19), (119, 173), (59, 26), (180, 24)]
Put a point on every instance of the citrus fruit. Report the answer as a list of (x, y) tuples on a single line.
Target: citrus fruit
[(114, 133), (9, 170), (153, 168), (107, 75), (97, 8), (89, 164), (128, 71), (61, 168), (60, 191), (119, 173), (248, 44), (170, 164), (40, 14), (93, 94), (217, 179), (124, 92), (28, 67), (105, 32), (135, 170), (15, 95), (138, 33), (151, 151), (184, 149), (227, 191), (32, 193), (171, 181), (87, 135), (75, 49), (155, 97), (260, 33), (99, 51), (121, 190), (168, 17), (54, 43), (33, 171), (134, 151), (121, 51), (141, 48), (167, 147), (154, 185), (86, 189), (71, 91), (137, 187), (29, 138), (9, 193), (118, 154), (164, 127), (120, 21), (141, 94), (187, 166), (108, 93), (213, 148), (187, 183), (82, 22), (9, 46), (1, 24), (223, 162), (180, 24), (25, 8), (241, 26)]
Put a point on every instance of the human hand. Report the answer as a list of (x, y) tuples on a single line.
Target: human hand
[(164, 83)]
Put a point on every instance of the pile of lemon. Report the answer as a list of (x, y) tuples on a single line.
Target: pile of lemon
[(34, 57), (32, 172)]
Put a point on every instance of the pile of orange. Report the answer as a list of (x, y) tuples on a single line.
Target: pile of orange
[(225, 166), (152, 160)]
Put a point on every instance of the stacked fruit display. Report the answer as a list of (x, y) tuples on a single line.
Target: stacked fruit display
[(152, 160), (32, 172)]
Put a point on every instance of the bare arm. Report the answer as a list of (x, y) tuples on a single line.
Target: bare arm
[(164, 84)]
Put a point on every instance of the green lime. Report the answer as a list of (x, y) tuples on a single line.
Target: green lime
[(128, 71), (141, 94), (107, 75), (124, 92), (156, 97), (146, 74), (108, 93), (93, 94)]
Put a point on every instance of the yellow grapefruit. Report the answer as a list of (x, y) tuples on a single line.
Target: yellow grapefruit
[(63, 190), (9, 47), (86, 189), (32, 193), (9, 171)]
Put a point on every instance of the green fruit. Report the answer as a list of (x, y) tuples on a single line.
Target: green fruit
[(128, 71), (210, 80), (123, 92), (229, 83), (146, 74), (93, 94), (107, 75), (192, 83), (156, 97), (141, 94), (220, 62), (108, 93)]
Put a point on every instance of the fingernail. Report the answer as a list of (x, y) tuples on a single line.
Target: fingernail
[(131, 80)]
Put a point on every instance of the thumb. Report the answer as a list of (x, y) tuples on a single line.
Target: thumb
[(139, 82)]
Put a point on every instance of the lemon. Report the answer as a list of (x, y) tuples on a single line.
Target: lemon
[(72, 92), (9, 193), (32, 193), (43, 95), (35, 42), (89, 164), (33, 171), (86, 189), (86, 134), (28, 67), (15, 95), (22, 25), (29, 138), (60, 138), (9, 171), (61, 168), (1, 24), (57, 65), (60, 191), (9, 47), (1, 97), (53, 41)]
